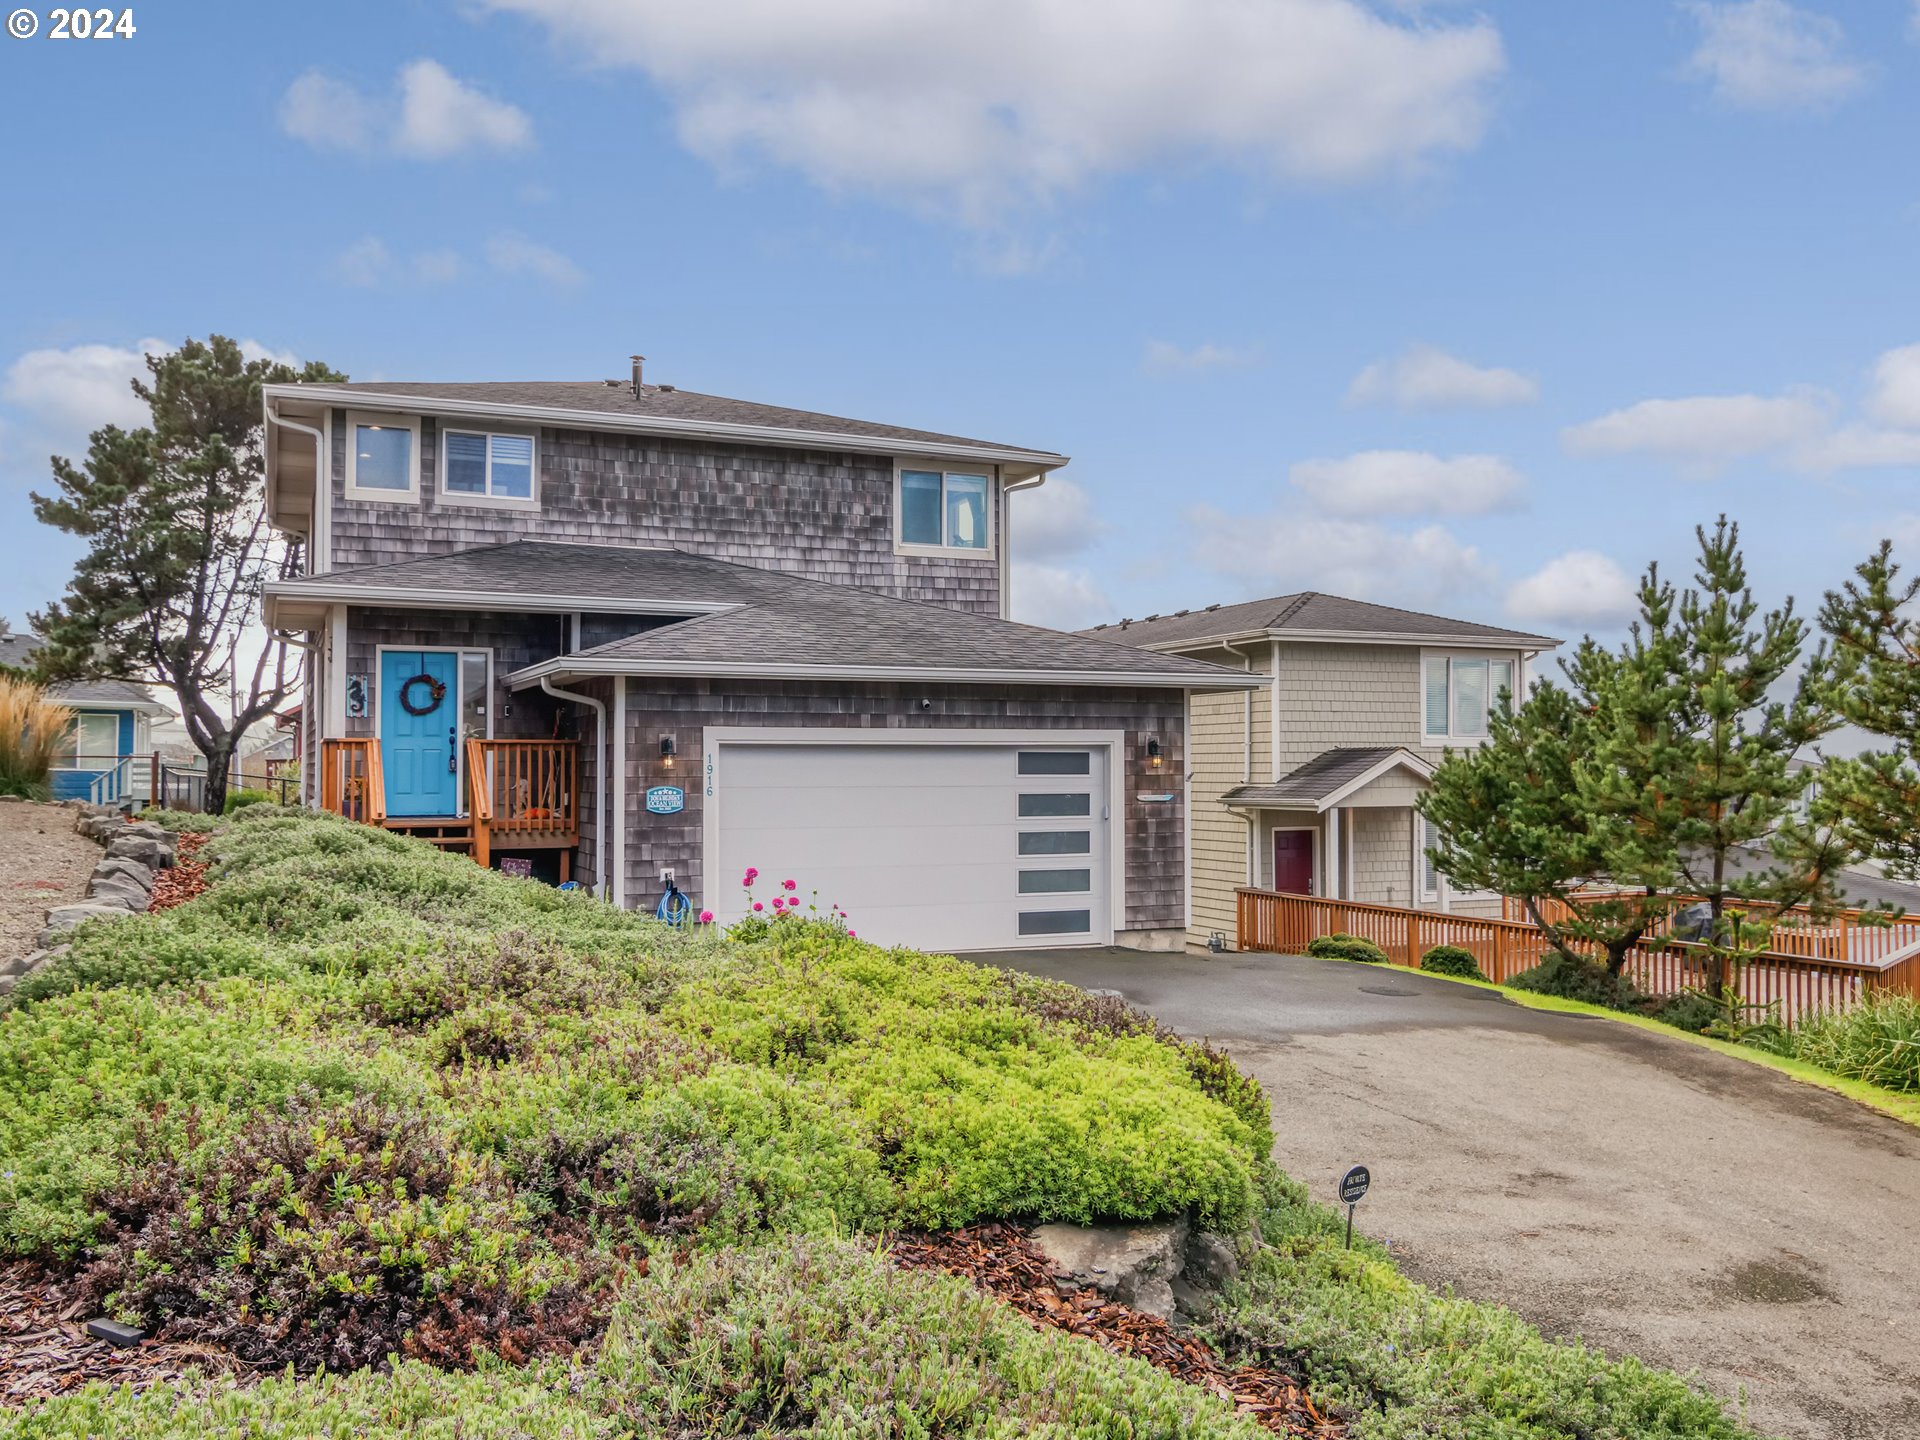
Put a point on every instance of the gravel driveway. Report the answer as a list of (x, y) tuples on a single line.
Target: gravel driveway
[(42, 864), (1652, 1196)]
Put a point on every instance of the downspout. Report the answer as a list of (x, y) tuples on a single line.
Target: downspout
[(1006, 539), (322, 484), (322, 478), (1246, 770), (599, 709)]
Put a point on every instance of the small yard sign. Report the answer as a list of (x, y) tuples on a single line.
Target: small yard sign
[(519, 865), (1353, 1187), (666, 800)]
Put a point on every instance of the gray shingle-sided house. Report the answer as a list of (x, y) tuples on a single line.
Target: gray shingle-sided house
[(611, 630), (104, 757), (1309, 788)]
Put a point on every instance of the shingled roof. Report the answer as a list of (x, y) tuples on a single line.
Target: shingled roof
[(18, 651), (731, 619), (1326, 775), (660, 406), (1311, 615)]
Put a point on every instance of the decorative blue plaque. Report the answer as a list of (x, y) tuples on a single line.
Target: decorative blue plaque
[(666, 800)]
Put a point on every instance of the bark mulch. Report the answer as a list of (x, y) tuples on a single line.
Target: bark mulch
[(45, 1349), (1002, 1259), (186, 879)]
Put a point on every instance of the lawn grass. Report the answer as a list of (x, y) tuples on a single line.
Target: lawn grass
[(450, 1153)]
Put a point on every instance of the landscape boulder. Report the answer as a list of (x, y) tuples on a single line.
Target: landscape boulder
[(114, 890), (63, 918), (149, 852), (132, 870), (1134, 1264)]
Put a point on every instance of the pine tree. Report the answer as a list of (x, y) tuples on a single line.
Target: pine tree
[(1874, 622), (179, 547)]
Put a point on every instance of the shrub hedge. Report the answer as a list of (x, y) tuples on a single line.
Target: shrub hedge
[(1342, 946), (1878, 1040), (1451, 960)]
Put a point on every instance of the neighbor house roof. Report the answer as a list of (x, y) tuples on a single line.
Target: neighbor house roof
[(1310, 615), (19, 650), (1327, 778), (737, 620), (658, 409)]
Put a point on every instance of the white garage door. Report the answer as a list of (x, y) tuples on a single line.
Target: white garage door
[(941, 847)]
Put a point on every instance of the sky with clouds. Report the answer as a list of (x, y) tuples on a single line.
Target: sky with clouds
[(1474, 308)]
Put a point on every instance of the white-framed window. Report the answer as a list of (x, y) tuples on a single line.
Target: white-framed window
[(383, 457), (940, 508), (92, 742), (1460, 692), (1429, 872), (490, 466)]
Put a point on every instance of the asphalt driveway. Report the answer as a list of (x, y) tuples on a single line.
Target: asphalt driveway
[(1651, 1196)]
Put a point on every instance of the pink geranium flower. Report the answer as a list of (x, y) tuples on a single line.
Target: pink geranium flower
[(788, 885), (853, 934), (778, 902), (751, 876), (758, 906), (706, 917)]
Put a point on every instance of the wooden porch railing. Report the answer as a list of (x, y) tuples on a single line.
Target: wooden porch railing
[(1799, 984), (523, 793), (351, 781)]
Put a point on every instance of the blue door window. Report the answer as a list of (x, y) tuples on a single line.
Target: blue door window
[(420, 731)]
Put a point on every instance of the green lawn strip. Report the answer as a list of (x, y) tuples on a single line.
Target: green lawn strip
[(1888, 1102)]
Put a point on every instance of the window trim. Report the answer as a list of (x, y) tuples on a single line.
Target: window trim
[(384, 421), (988, 552), (62, 761), (488, 500), (1512, 659)]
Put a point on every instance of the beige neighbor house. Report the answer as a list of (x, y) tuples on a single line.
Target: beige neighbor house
[(1309, 787)]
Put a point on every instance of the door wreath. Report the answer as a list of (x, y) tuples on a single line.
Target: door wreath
[(435, 689)]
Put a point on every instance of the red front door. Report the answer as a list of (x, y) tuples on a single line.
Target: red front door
[(1293, 861)]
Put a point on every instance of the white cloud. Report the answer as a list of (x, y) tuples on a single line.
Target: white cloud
[(63, 396), (971, 109), (1057, 597), (1857, 447), (1702, 432), (1769, 55), (442, 116), (1164, 357), (1895, 396), (365, 263), (513, 254), (1054, 520), (1579, 588), (1409, 482), (430, 115), (1425, 377), (329, 114), (1282, 553)]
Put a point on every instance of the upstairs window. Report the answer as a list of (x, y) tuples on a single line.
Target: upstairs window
[(383, 457), (483, 465), (943, 509), (1461, 691)]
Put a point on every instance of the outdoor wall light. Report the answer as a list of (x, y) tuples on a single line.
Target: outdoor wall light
[(667, 751), (1153, 753)]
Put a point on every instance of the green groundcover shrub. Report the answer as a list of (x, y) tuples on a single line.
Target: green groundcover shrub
[(242, 795), (1451, 960), (1342, 946), (1581, 980), (1413, 1365), (1878, 1041)]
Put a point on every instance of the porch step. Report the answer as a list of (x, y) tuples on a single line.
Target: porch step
[(449, 832)]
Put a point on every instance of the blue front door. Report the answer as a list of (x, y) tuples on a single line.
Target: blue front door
[(418, 728)]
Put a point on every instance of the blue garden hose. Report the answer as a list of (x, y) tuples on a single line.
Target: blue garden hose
[(674, 907)]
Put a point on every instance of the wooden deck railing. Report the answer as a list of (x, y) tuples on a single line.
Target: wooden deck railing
[(351, 781), (523, 793), (1799, 984), (1851, 935)]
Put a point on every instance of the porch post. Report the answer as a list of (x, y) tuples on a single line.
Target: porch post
[(617, 758), (1336, 874), (1414, 895)]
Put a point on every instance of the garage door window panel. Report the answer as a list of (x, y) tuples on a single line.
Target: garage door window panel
[(1055, 762), (1056, 842), (1068, 806), (1056, 922), (1056, 882)]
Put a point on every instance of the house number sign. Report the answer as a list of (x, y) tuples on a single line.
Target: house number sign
[(666, 800)]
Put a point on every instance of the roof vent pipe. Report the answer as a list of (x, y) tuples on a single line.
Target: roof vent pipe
[(638, 361)]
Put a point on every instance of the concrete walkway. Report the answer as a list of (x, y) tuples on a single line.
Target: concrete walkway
[(1654, 1197)]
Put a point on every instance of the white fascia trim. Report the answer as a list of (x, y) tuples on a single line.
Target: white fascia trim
[(1537, 645), (488, 599), (575, 666), (661, 425)]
